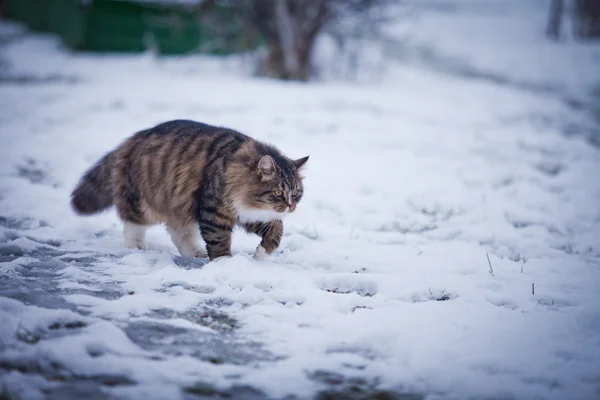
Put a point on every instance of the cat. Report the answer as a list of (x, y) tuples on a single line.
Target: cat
[(198, 179)]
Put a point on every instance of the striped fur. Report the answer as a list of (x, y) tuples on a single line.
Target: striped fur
[(192, 176)]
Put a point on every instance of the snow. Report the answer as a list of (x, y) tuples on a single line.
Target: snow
[(503, 41), (382, 280)]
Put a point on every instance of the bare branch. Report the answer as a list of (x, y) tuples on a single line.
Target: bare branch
[(290, 27)]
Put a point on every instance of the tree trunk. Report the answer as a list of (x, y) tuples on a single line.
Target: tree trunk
[(288, 36), (289, 28), (587, 18), (554, 19), (289, 51), (276, 65)]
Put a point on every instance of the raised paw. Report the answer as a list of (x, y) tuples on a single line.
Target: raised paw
[(260, 254)]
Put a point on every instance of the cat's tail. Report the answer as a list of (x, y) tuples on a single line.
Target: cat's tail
[(94, 192)]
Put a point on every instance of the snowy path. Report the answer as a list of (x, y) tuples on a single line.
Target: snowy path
[(382, 284)]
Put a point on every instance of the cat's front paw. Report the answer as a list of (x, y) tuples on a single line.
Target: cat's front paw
[(260, 254), (194, 253), (200, 253)]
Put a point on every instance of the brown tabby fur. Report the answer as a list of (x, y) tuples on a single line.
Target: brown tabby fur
[(193, 176)]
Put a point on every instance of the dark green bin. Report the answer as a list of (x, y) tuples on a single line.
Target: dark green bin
[(130, 26)]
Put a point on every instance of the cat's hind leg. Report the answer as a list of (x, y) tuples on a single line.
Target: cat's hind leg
[(128, 202), (187, 239), (135, 235)]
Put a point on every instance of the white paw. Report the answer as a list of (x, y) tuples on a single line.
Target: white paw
[(200, 253), (260, 254), (135, 244), (194, 253)]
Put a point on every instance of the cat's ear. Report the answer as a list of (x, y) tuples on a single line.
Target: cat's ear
[(300, 162), (266, 167)]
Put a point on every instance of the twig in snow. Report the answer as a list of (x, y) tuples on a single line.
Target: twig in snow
[(524, 262), (490, 263), (532, 288)]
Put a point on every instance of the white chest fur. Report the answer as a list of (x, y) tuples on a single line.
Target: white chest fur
[(247, 214)]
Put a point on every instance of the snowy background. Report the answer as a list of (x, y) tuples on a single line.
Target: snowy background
[(457, 171)]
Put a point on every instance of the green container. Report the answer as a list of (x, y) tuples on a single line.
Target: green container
[(32, 12), (129, 26), (67, 19)]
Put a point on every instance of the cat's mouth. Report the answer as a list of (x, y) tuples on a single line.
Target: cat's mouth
[(284, 209)]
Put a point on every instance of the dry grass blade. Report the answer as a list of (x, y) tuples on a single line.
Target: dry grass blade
[(491, 271)]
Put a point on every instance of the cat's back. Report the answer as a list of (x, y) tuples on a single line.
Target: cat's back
[(182, 128), (168, 162), (174, 138), (185, 126)]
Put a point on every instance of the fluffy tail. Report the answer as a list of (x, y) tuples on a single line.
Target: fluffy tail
[(94, 192)]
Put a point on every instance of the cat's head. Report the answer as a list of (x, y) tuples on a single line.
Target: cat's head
[(271, 187)]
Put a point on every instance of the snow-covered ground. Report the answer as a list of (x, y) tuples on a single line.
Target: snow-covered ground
[(447, 247)]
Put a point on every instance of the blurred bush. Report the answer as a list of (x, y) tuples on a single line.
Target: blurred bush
[(286, 29), (585, 16)]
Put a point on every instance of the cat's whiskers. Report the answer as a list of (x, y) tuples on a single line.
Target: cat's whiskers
[(265, 227)]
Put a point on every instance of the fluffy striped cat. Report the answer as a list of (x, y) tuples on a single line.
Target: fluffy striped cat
[(199, 180)]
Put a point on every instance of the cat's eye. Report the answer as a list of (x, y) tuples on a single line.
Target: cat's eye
[(278, 192), (295, 193)]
